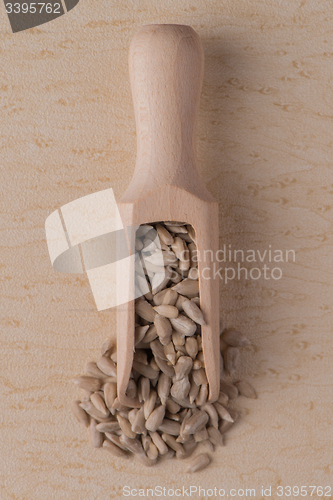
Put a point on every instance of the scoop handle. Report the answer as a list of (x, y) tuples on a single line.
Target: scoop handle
[(166, 71)]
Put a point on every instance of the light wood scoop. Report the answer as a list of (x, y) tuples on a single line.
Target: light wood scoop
[(166, 71)]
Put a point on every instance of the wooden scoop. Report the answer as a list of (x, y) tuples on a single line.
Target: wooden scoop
[(166, 71)]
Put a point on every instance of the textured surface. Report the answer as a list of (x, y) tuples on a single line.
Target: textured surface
[(264, 144)]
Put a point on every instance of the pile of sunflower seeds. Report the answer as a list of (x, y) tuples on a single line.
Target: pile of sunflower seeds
[(168, 373)]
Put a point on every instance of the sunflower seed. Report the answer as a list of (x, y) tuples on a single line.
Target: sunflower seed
[(143, 389), (199, 377), (191, 232), (246, 389), (187, 287), (92, 370), (178, 338), (143, 284), (215, 436), (193, 274), (173, 416), (170, 353), (152, 452), (174, 223), (196, 422), (180, 388), (184, 403), (131, 415), (194, 391), (132, 445), (80, 414), (95, 436), (118, 406), (92, 411), (164, 235), (163, 387), (150, 267), (172, 443), (200, 356), (183, 367), (140, 355), (158, 349), (208, 444), (163, 328), (145, 370), (184, 264), (169, 258), (229, 389), (172, 406), (126, 427), (160, 280), (90, 384), (149, 404), (146, 440), (175, 277), (115, 440), (138, 426), (183, 438), (139, 334), (154, 366), (184, 325), (108, 426), (150, 335), (145, 310), (170, 297), (201, 435), (223, 399), (223, 412), (159, 296), (191, 346), (145, 460), (98, 402), (177, 229), (155, 418), (180, 300), (107, 366), (110, 393), (167, 311), (170, 427), (159, 443), (193, 312), (114, 449), (164, 367), (224, 426), (198, 463), (202, 396), (109, 345), (213, 415), (189, 446)]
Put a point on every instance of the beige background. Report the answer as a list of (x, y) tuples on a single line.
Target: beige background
[(264, 145)]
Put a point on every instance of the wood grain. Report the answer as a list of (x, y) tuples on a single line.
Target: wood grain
[(264, 152)]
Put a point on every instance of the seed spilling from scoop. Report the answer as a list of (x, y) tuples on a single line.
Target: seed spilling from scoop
[(168, 372)]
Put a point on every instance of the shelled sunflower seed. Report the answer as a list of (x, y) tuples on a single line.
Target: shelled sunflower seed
[(168, 374)]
